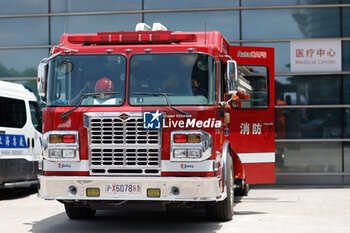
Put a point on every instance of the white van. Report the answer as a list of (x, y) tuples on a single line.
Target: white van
[(20, 136)]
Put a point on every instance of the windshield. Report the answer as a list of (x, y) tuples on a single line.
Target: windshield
[(72, 77), (187, 79)]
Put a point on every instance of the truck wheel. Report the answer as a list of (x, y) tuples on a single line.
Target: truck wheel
[(242, 190), (223, 210), (78, 212)]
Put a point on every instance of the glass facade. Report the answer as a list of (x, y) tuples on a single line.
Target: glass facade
[(313, 109)]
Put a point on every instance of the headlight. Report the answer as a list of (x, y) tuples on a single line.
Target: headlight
[(179, 153), (61, 146), (68, 154), (191, 145), (55, 154), (194, 153)]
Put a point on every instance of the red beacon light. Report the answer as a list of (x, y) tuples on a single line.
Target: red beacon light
[(158, 35)]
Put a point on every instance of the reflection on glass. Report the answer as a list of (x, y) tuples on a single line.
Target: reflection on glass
[(160, 4), (20, 62), (347, 157), (35, 114), (309, 157), (93, 5), (286, 2), (24, 31), (89, 74), (312, 90), (253, 82), (302, 23), (346, 123), (226, 22), (346, 54), (346, 21), (308, 123), (92, 24), (282, 54), (184, 78), (346, 89), (23, 6)]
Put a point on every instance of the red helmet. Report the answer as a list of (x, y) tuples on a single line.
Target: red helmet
[(104, 85)]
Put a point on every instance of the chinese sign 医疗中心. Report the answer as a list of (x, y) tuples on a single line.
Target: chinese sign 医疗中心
[(315, 55)]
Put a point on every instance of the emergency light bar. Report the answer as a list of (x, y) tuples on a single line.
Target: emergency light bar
[(144, 37)]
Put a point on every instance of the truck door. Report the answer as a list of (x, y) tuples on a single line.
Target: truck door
[(252, 131)]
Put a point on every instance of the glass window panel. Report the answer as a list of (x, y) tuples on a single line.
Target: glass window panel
[(255, 85), (282, 54), (346, 123), (94, 5), (72, 78), (347, 157), (346, 89), (286, 2), (160, 4), (346, 55), (190, 78), (23, 31), (346, 21), (23, 6), (295, 123), (92, 24), (21, 62), (35, 115), (13, 113), (312, 90), (291, 23), (309, 157), (195, 21)]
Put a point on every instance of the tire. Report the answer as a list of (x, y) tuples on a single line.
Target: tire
[(78, 212), (223, 210), (242, 190)]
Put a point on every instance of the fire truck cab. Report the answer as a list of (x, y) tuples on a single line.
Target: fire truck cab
[(155, 116)]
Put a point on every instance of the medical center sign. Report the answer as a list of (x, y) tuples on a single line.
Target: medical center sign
[(315, 55)]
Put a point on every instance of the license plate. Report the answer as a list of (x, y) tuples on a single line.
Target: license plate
[(123, 188)]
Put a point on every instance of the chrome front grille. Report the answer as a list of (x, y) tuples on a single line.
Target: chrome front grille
[(118, 144)]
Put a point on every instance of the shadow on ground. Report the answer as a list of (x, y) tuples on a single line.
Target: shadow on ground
[(11, 194), (186, 220), (115, 221)]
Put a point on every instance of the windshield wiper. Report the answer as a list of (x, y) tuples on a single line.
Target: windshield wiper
[(166, 95), (65, 114)]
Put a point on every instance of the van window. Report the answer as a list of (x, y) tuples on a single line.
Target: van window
[(12, 113), (36, 115)]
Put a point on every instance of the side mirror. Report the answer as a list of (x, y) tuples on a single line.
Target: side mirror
[(41, 82), (231, 77)]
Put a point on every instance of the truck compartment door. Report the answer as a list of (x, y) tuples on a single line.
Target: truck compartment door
[(252, 131)]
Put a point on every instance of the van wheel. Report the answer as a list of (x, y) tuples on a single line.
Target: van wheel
[(78, 212), (223, 210)]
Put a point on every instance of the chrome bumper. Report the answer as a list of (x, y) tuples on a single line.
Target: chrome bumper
[(190, 188)]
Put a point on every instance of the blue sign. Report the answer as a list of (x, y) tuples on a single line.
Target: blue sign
[(12, 141), (152, 120)]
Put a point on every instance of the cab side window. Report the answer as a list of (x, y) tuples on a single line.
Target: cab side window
[(13, 113), (253, 83), (35, 115)]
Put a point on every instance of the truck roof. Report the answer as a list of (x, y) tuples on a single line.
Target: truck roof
[(80, 42), (15, 90)]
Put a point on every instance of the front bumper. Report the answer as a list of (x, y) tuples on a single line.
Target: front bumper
[(190, 188)]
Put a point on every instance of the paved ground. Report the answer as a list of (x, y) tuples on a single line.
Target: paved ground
[(266, 209)]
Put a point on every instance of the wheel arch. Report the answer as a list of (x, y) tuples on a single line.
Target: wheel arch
[(238, 168)]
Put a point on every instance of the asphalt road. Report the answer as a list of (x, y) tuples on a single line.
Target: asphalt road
[(266, 209)]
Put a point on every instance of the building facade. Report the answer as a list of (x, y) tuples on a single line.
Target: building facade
[(314, 107)]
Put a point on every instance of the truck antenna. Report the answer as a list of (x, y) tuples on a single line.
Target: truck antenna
[(205, 32)]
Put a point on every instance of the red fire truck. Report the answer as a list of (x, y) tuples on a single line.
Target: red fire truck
[(155, 116)]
